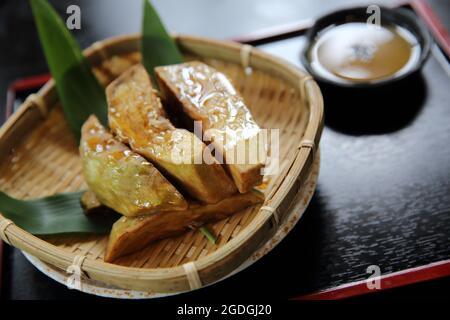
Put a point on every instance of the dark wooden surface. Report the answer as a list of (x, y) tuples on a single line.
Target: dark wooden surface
[(384, 189), (383, 196)]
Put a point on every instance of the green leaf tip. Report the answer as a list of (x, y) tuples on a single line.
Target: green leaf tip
[(157, 46), (79, 91), (208, 234)]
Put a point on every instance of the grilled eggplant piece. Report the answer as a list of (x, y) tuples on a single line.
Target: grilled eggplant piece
[(121, 179), (206, 95), (137, 118), (129, 235)]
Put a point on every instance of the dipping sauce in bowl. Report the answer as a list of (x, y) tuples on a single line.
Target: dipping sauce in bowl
[(346, 50), (361, 52)]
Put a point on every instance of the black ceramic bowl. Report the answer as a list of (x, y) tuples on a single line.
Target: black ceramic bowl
[(399, 16)]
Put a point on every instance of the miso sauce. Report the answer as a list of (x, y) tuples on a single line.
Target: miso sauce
[(358, 52)]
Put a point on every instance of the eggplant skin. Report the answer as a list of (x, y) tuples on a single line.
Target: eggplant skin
[(121, 179), (129, 235), (137, 118)]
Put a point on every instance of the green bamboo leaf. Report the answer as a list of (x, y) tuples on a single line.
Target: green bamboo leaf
[(79, 91), (61, 213), (157, 47)]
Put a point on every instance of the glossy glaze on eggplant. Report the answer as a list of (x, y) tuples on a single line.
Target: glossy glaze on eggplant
[(207, 95), (138, 119), (120, 178)]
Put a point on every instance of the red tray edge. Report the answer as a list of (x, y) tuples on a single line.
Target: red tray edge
[(389, 281)]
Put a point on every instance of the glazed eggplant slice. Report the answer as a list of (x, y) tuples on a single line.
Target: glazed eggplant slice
[(129, 235), (121, 179), (207, 95), (137, 118)]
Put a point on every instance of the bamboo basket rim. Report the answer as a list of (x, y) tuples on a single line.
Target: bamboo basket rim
[(298, 167)]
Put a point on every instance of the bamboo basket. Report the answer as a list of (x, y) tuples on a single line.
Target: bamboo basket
[(39, 157), (293, 215)]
